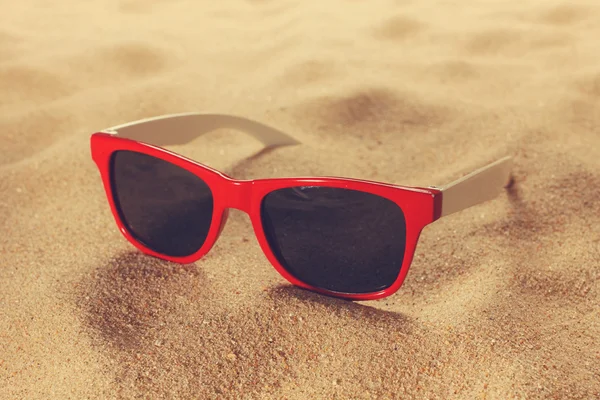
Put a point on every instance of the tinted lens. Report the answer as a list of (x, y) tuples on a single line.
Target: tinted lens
[(165, 207), (336, 239)]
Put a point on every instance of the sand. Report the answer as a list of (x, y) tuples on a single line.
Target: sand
[(502, 300)]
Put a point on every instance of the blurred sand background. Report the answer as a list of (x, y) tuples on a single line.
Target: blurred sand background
[(502, 300)]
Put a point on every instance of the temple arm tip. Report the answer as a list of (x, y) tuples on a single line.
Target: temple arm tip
[(280, 141)]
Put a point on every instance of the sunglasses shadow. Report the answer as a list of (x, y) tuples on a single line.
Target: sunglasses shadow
[(332, 306)]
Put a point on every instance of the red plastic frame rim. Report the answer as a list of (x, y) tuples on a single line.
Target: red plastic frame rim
[(421, 206)]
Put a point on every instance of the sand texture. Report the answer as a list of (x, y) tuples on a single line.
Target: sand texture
[(502, 300)]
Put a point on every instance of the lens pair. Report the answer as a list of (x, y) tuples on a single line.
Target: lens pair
[(335, 239), (338, 236)]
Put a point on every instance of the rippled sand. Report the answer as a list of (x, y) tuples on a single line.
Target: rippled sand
[(501, 300)]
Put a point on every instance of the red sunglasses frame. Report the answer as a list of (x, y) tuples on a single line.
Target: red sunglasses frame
[(421, 206)]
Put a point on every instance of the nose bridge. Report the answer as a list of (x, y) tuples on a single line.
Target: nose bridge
[(238, 195)]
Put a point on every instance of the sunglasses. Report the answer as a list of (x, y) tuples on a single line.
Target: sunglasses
[(341, 237)]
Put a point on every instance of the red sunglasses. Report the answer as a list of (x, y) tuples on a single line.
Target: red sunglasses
[(341, 237)]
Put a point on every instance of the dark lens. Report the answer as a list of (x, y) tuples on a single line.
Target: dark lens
[(165, 207), (336, 239)]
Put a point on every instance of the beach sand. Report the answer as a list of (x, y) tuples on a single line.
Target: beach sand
[(502, 300)]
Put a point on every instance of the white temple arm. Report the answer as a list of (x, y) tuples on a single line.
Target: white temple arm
[(477, 187), (177, 129)]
